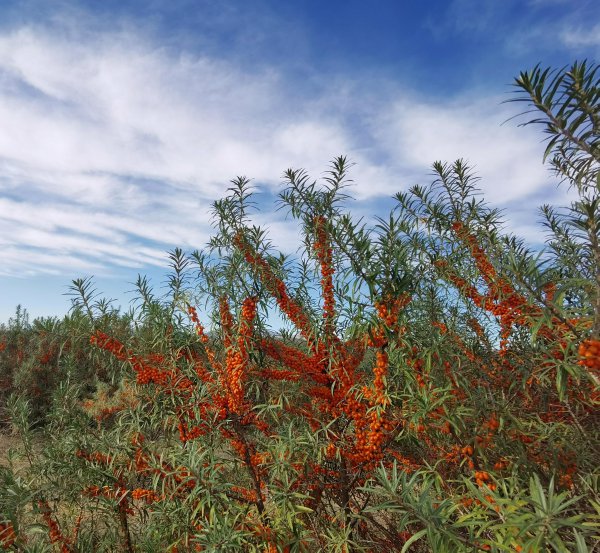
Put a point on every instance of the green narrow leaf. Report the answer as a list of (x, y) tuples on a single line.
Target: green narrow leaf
[(580, 543), (413, 539)]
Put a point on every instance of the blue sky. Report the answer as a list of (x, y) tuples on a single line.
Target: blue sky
[(121, 121)]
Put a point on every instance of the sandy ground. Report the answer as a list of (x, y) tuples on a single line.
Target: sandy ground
[(8, 441)]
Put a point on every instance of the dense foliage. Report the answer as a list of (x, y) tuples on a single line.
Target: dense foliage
[(435, 387)]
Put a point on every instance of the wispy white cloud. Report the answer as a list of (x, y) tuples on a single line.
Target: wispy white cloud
[(113, 147), (507, 158), (570, 39), (528, 30), (578, 37)]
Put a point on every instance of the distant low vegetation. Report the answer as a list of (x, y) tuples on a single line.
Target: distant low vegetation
[(436, 389)]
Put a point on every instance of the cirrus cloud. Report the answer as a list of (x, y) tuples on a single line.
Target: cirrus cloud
[(114, 147)]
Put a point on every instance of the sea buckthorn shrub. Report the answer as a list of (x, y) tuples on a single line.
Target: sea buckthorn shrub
[(38, 357), (14, 338), (434, 387)]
